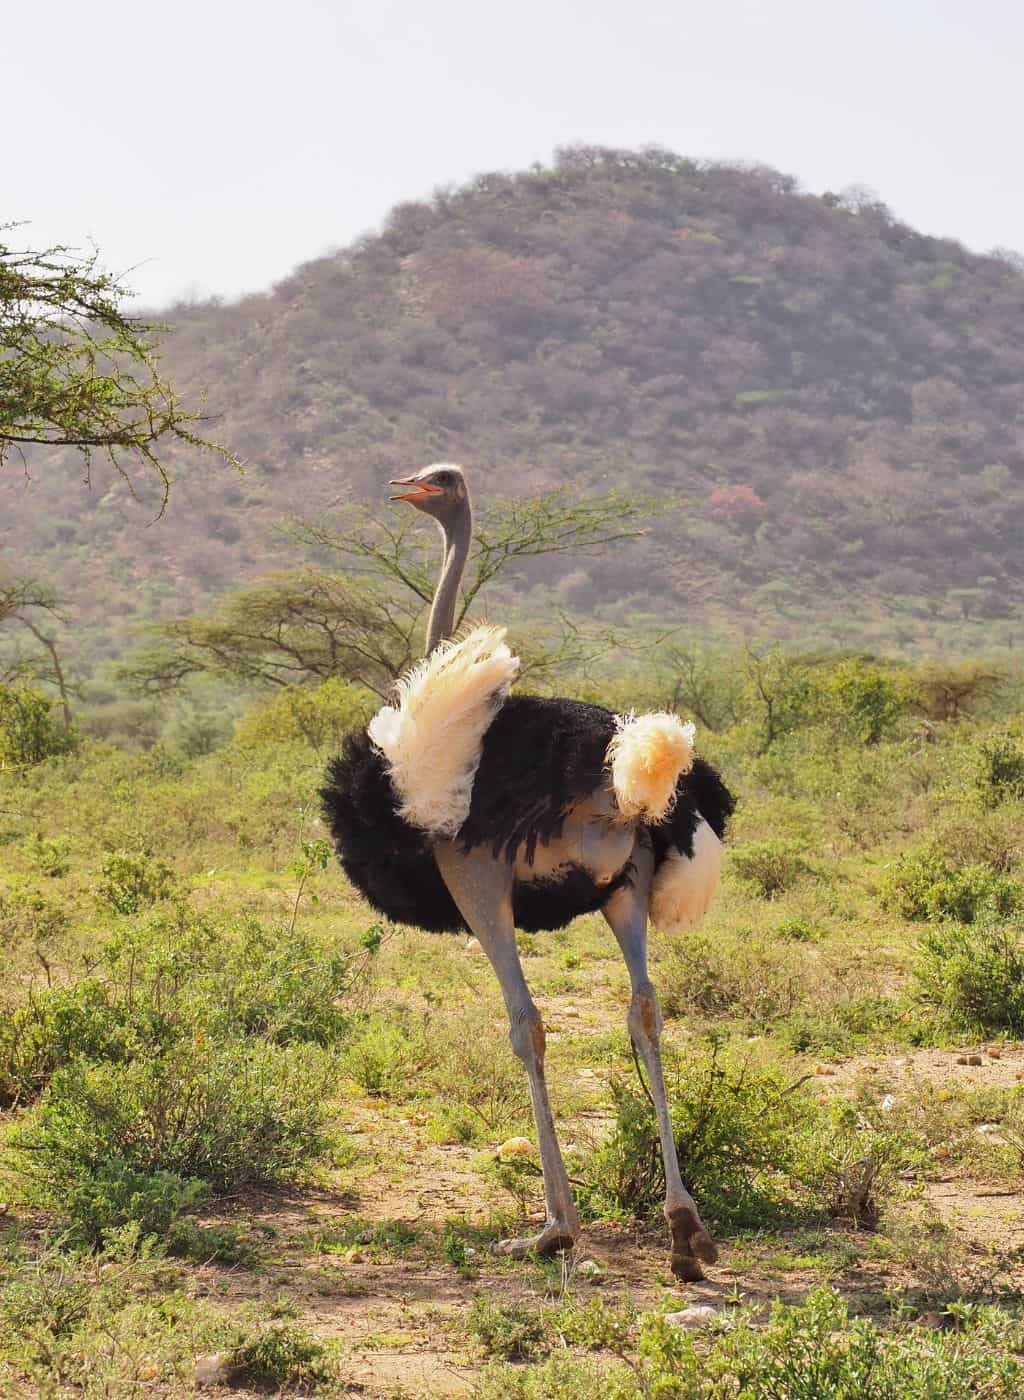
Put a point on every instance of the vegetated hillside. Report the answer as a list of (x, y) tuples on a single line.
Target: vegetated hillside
[(830, 401)]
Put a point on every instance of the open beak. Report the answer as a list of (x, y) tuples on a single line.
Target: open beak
[(421, 489)]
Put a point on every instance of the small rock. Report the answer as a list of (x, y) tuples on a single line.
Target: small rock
[(356, 1256), (968, 1059), (590, 1270), (985, 1128), (213, 1370), (823, 1069), (994, 1052), (887, 1104), (515, 1147), (570, 1011), (473, 945), (692, 1319)]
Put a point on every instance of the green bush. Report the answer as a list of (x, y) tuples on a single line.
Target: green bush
[(737, 1134), (168, 981), (507, 1330), (862, 699), (133, 880), (319, 717), (999, 767), (925, 884), (225, 1115), (100, 1203), (31, 729), (807, 1351), (770, 867), (974, 975), (277, 1358)]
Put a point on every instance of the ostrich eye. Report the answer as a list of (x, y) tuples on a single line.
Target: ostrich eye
[(444, 478)]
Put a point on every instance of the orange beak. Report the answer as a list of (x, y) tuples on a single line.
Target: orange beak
[(420, 489)]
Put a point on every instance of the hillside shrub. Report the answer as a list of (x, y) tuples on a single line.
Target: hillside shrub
[(999, 767), (132, 880), (924, 883), (769, 867), (319, 717), (862, 699), (974, 975), (31, 727)]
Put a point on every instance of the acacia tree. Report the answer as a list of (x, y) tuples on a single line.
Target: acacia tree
[(29, 604), (77, 372), (365, 623)]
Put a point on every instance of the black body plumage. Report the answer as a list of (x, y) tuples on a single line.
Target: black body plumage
[(540, 757)]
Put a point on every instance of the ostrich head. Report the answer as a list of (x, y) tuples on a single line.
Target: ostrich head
[(439, 491)]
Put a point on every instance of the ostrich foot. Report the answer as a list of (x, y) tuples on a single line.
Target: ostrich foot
[(691, 1243), (554, 1238)]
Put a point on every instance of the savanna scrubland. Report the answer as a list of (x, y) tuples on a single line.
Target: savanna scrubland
[(253, 1135)]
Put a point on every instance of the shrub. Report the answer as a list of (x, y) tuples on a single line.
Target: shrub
[(975, 976), (226, 1116), (736, 1134), (100, 1203), (737, 974), (862, 699), (507, 1330), (319, 717), (925, 884), (771, 867), (999, 768), (802, 1352), (30, 729), (381, 1057), (132, 880), (169, 981), (50, 858), (279, 1357)]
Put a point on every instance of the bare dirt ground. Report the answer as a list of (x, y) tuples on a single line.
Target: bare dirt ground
[(397, 1306)]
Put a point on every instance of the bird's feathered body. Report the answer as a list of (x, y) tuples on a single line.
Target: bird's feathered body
[(541, 761)]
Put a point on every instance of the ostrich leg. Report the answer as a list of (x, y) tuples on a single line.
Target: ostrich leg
[(482, 888), (626, 912)]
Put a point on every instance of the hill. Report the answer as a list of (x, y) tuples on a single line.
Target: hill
[(829, 402)]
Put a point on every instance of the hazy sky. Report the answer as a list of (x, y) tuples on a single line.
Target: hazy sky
[(212, 145)]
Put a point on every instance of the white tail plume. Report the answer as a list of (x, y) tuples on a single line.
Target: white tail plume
[(684, 886), (432, 738)]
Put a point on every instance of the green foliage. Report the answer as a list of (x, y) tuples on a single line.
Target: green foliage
[(132, 880), (974, 975), (771, 867), (75, 371), (506, 1330), (738, 1135), (30, 727), (924, 884), (863, 699), (226, 1115), (49, 857), (172, 982), (999, 767), (99, 1202), (280, 1357), (319, 717), (381, 1056), (802, 1352)]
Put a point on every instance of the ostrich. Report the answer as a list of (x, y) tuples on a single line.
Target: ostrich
[(464, 806)]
